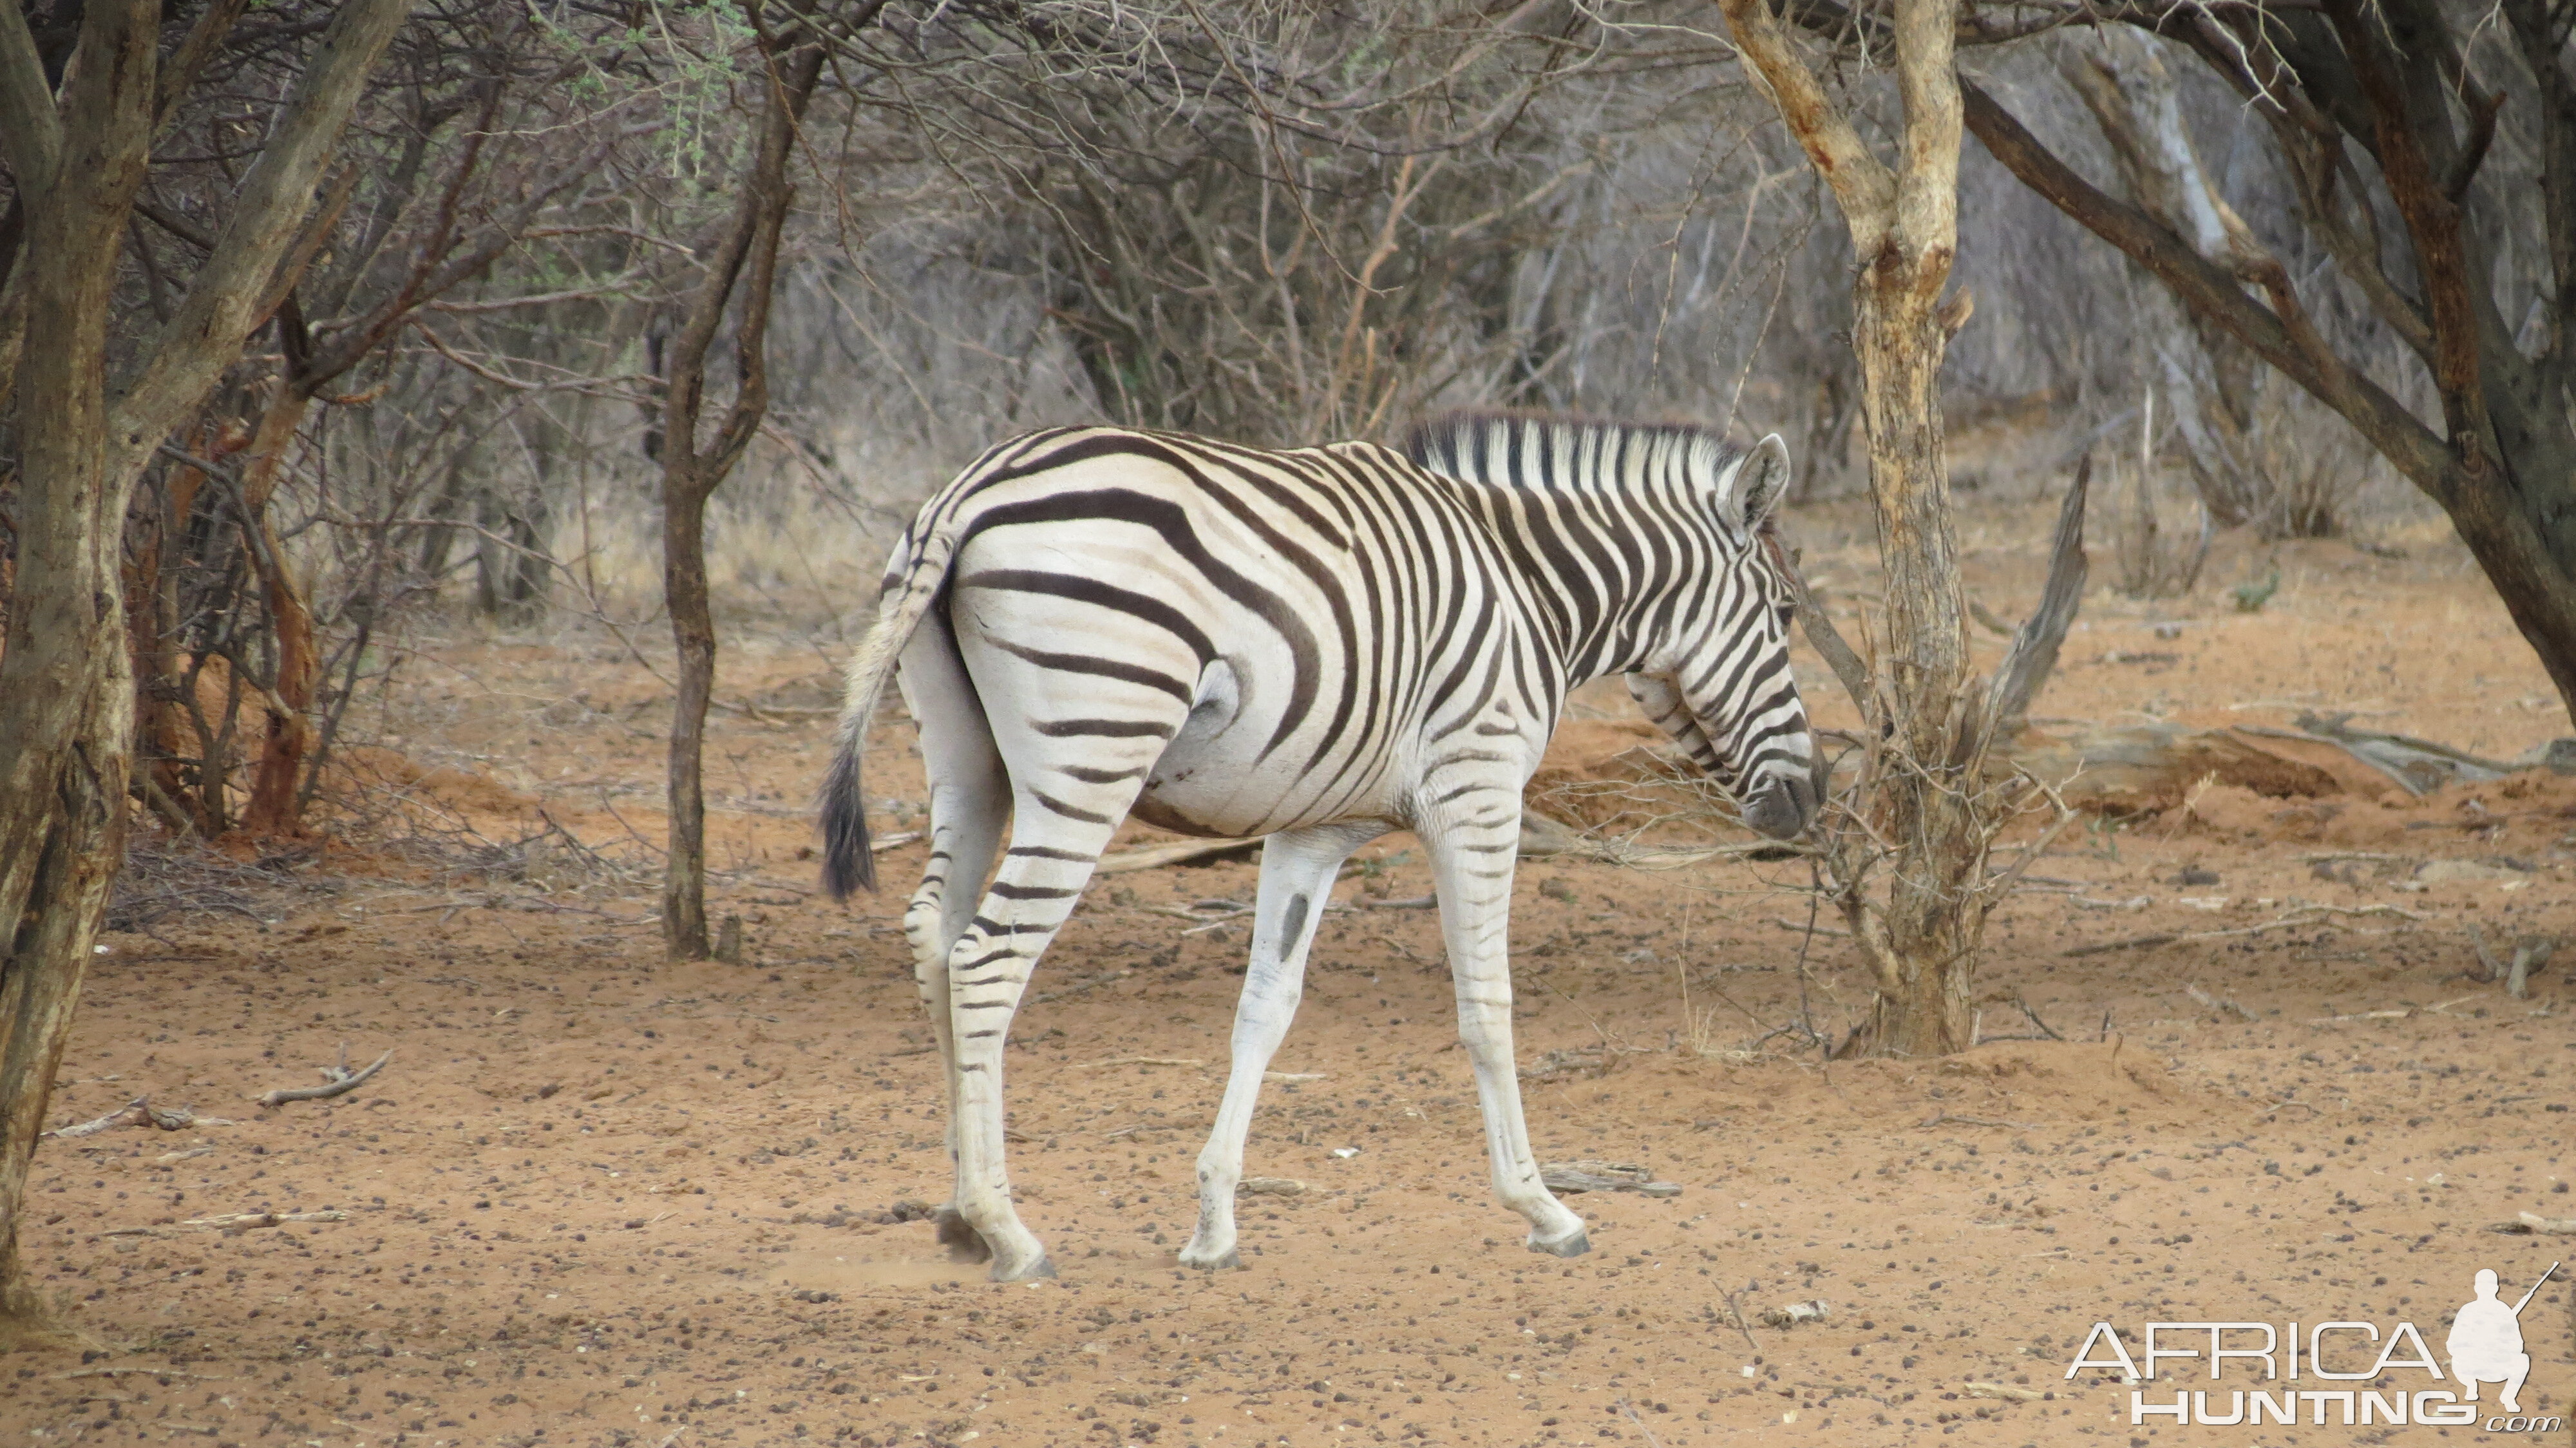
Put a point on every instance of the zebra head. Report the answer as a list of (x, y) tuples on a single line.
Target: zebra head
[(1719, 682)]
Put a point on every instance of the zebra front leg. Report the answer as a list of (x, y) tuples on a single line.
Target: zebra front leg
[(1297, 870), (970, 802), (1473, 839)]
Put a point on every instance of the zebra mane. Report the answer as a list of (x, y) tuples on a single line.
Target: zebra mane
[(1523, 449)]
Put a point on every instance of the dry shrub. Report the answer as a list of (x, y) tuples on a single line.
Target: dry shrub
[(164, 878)]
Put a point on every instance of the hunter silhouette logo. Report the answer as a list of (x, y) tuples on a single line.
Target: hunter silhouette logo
[(2486, 1341), (2352, 1363)]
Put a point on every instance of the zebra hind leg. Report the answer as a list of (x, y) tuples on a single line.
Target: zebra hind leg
[(1055, 840), (970, 802), (1297, 869)]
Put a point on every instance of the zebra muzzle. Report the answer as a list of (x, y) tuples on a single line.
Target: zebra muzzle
[(1783, 807)]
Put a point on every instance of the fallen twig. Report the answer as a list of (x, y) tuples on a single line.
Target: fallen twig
[(2528, 956), (1603, 1176), (1179, 852), (231, 1222), (2419, 766), (1796, 927), (2025, 1006), (1142, 1061), (2134, 942), (2399, 910), (2000, 1390), (2495, 968), (1201, 911), (2218, 1003), (1630, 1410), (1740, 1325), (337, 1080), (2304, 915), (2394, 1015), (1944, 1118), (141, 1112)]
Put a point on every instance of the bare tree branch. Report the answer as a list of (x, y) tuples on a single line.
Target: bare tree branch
[(2033, 651), (179, 73), (1863, 185), (2205, 286), (221, 309), (31, 134)]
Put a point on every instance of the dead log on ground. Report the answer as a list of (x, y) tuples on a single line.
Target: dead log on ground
[(337, 1080)]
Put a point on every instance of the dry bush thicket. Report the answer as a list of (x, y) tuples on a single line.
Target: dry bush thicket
[(1265, 222), (1275, 223)]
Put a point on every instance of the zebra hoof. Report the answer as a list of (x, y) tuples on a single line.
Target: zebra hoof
[(963, 1242), (1225, 1263), (1036, 1271), (1573, 1246)]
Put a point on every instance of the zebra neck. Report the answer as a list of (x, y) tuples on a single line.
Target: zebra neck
[(1607, 573), (1597, 611)]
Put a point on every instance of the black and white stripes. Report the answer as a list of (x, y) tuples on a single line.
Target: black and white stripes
[(1316, 645)]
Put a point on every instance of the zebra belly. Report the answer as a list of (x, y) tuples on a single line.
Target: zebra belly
[(1209, 804), (1217, 777)]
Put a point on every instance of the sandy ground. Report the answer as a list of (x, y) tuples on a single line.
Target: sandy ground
[(596, 1199)]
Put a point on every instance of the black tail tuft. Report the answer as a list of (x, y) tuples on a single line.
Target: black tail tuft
[(848, 864)]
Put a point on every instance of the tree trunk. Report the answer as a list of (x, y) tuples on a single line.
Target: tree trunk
[(66, 718), (1928, 923), (273, 807), (66, 702), (1923, 801), (161, 732), (62, 870), (2510, 512), (66, 686), (693, 632), (693, 465)]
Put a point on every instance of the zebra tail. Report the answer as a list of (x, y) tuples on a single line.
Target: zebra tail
[(848, 863)]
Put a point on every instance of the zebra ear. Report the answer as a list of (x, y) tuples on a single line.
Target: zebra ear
[(1760, 481)]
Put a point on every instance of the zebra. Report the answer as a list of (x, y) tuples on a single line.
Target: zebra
[(1316, 645)]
